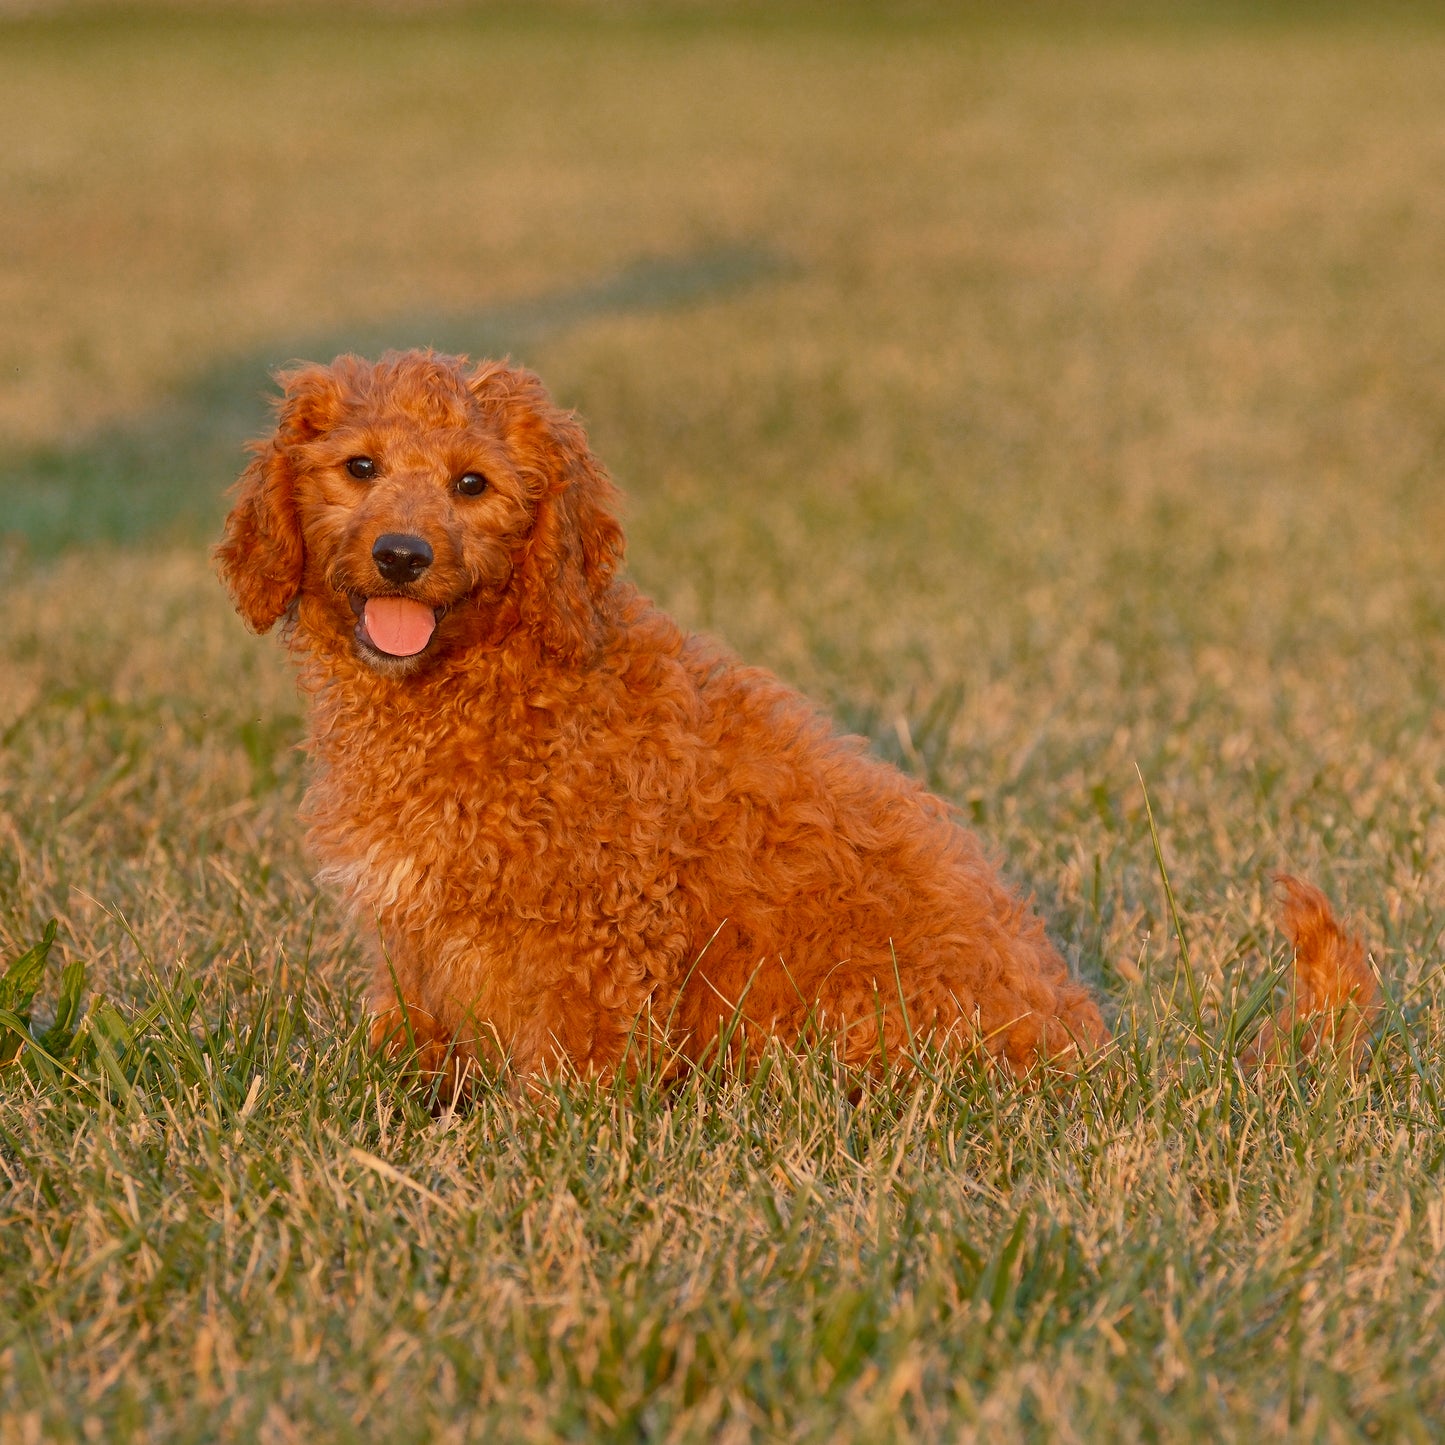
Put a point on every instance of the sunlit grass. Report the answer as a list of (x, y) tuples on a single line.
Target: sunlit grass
[(246, 1222), (1059, 404)]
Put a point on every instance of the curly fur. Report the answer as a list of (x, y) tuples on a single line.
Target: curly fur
[(577, 829), (1335, 997)]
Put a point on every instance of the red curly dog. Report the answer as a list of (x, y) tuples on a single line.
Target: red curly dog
[(577, 829)]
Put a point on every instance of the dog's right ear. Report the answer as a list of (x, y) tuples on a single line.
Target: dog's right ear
[(260, 555)]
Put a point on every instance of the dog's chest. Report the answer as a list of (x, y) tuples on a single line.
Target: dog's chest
[(465, 826)]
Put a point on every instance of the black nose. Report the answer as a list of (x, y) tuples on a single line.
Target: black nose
[(400, 558)]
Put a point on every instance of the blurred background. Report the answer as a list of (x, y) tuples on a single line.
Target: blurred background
[(1051, 390)]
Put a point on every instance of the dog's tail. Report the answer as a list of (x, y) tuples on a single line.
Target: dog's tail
[(1334, 996)]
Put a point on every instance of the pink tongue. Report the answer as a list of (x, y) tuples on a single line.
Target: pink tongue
[(398, 625)]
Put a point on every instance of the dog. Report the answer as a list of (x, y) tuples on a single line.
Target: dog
[(581, 835)]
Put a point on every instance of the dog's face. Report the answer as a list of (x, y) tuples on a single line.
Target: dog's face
[(415, 506)]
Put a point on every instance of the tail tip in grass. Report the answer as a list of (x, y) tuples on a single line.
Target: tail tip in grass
[(1334, 997)]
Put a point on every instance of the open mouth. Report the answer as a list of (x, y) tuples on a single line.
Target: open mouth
[(394, 626)]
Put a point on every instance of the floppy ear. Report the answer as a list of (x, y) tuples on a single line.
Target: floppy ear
[(576, 544), (260, 554), (574, 551)]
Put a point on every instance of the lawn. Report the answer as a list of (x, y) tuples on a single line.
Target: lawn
[(1059, 400)]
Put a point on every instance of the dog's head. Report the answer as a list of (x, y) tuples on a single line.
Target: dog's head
[(417, 505)]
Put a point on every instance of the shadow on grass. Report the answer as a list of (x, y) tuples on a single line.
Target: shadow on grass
[(165, 473)]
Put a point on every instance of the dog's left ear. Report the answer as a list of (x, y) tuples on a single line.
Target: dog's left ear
[(575, 546)]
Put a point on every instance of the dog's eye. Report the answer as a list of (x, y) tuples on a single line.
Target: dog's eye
[(362, 468), (471, 484)]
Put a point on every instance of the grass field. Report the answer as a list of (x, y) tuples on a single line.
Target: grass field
[(1060, 402)]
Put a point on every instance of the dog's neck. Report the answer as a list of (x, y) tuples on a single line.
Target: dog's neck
[(485, 692)]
